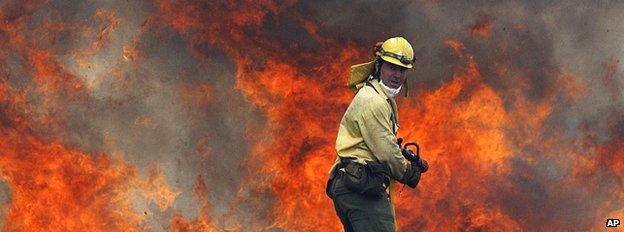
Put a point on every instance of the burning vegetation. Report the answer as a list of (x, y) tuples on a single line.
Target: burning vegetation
[(222, 115)]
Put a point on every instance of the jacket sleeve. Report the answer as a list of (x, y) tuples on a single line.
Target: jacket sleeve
[(376, 129)]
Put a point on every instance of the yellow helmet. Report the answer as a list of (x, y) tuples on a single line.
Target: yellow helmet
[(397, 51)]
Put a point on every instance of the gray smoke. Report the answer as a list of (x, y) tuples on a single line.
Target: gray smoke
[(136, 106)]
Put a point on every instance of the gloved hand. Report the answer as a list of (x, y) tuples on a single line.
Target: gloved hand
[(415, 160), (411, 176)]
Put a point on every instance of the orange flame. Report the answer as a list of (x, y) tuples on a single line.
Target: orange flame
[(484, 143), (63, 184)]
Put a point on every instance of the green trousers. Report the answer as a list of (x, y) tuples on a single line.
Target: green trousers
[(359, 213)]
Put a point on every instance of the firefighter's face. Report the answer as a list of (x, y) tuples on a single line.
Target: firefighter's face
[(392, 75)]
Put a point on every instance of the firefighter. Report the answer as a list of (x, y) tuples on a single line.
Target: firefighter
[(368, 155)]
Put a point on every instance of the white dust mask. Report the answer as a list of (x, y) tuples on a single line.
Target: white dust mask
[(390, 91)]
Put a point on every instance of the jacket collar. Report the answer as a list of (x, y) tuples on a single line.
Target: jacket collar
[(377, 86)]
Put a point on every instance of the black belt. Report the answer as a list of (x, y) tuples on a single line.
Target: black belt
[(375, 166), (345, 161)]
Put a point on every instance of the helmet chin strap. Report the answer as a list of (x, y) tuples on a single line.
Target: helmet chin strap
[(390, 91)]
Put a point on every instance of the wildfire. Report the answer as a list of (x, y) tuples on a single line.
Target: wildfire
[(222, 116)]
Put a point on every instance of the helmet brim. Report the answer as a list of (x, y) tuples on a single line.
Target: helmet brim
[(396, 61)]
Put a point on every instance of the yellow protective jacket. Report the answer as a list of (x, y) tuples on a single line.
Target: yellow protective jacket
[(368, 130)]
